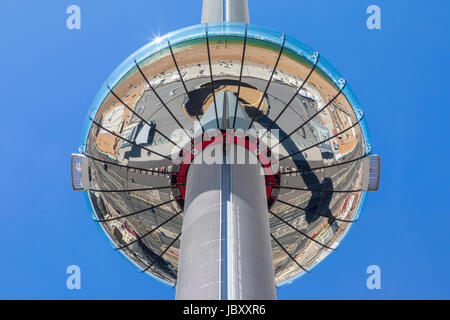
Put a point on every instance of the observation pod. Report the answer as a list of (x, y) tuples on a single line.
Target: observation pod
[(225, 158)]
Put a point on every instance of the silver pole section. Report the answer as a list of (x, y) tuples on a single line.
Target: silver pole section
[(237, 11), (250, 264), (212, 11), (226, 251), (199, 268), (225, 10)]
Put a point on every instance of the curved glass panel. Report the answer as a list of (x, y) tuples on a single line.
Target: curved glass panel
[(265, 34), (236, 29), (300, 49)]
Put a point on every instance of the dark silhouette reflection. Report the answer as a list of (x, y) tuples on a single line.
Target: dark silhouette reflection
[(322, 203), (319, 201), (98, 205), (197, 97)]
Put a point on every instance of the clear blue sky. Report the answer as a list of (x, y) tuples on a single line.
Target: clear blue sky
[(50, 75)]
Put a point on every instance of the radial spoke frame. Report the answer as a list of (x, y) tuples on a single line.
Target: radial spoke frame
[(301, 232), (162, 254), (135, 213), (288, 254), (269, 82), (149, 232)]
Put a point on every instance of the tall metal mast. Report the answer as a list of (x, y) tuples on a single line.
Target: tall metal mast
[(225, 11)]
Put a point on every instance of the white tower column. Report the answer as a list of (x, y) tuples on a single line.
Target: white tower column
[(225, 248), (225, 11), (237, 11)]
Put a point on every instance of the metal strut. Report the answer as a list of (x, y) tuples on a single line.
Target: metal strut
[(299, 231), (319, 143), (319, 190), (312, 117), (295, 95), (213, 90), (160, 256), (121, 165), (289, 255), (142, 119), (182, 81), (134, 213), (325, 167), (129, 190), (161, 100), (240, 76), (270, 80), (151, 231), (129, 141), (317, 214)]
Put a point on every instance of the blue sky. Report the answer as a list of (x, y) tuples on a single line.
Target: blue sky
[(51, 74)]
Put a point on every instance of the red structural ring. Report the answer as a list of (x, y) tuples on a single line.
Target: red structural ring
[(179, 178)]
